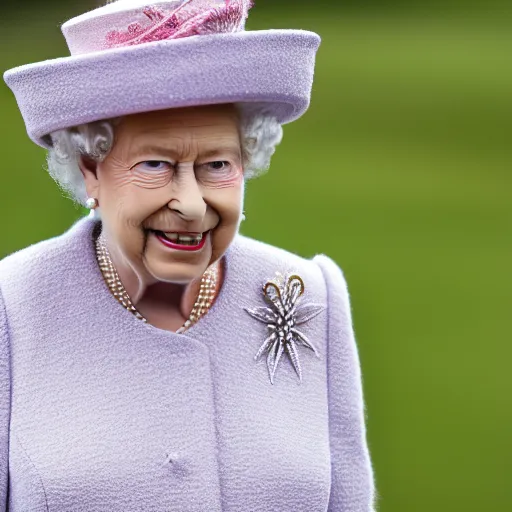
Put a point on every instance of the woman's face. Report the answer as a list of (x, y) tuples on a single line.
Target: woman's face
[(171, 190)]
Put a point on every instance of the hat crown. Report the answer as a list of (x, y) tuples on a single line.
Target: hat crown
[(130, 22)]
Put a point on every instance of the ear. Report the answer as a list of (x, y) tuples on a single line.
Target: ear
[(89, 170)]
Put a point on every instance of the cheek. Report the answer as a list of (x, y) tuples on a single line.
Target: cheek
[(115, 188), (125, 209), (121, 177), (123, 197), (228, 180), (227, 203)]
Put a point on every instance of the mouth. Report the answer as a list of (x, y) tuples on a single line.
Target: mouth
[(182, 241)]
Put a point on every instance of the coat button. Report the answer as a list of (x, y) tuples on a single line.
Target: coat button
[(176, 464)]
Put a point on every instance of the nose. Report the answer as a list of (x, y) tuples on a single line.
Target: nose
[(187, 197)]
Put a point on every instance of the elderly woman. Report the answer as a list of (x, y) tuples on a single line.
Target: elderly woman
[(151, 358)]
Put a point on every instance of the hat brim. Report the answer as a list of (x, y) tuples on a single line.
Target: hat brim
[(271, 68)]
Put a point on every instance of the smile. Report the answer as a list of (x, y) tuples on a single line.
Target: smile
[(182, 241)]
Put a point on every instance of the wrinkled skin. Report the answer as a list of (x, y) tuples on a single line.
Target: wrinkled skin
[(177, 170)]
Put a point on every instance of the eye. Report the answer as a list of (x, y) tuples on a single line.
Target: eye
[(219, 165), (153, 165)]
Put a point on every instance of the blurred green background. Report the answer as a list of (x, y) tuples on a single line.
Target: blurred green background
[(401, 172)]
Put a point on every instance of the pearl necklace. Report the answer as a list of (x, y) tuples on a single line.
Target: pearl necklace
[(204, 301)]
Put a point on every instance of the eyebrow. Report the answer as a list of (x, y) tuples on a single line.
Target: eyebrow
[(233, 150), (147, 149)]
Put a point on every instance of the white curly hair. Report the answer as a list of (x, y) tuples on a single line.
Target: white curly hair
[(260, 134)]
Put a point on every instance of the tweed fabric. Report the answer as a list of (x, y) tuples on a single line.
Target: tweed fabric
[(272, 69), (101, 412)]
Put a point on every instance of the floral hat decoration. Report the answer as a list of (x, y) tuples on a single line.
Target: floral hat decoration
[(132, 56)]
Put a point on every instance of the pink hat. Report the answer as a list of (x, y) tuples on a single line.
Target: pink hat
[(130, 57)]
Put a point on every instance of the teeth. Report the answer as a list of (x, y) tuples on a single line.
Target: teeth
[(184, 239)]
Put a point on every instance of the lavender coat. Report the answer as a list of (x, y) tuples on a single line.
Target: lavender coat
[(101, 412)]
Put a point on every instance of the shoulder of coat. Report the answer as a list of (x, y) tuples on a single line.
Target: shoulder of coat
[(259, 261), (39, 263)]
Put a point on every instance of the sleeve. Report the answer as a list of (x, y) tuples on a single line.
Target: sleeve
[(5, 406), (352, 479)]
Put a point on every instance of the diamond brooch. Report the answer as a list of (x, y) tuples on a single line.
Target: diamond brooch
[(282, 316)]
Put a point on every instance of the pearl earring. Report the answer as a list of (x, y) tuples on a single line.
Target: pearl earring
[(243, 217), (91, 203)]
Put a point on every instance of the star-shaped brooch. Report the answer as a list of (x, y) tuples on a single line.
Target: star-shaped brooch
[(282, 317)]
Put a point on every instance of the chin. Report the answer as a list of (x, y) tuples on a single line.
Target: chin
[(177, 273), (179, 267)]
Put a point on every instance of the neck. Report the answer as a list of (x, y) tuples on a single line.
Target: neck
[(154, 298), (161, 303)]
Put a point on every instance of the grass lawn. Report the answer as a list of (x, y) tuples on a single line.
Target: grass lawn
[(400, 171)]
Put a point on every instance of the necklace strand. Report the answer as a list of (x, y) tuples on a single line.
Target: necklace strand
[(204, 301)]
